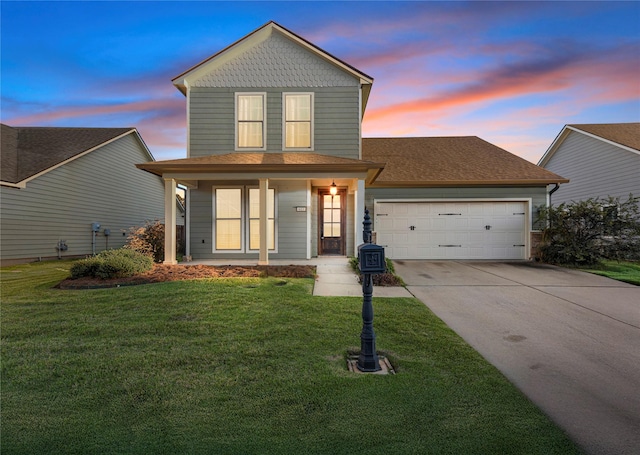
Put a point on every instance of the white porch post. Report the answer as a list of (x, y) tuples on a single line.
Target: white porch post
[(264, 222), (359, 214), (170, 222)]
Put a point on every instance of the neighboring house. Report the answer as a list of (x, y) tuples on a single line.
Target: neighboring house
[(601, 160), (276, 167), (55, 183)]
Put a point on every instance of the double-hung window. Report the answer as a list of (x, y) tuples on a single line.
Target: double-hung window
[(250, 121), (236, 222), (298, 121)]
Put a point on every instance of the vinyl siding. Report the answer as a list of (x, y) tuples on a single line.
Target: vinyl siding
[(538, 196), (291, 236), (595, 169), (103, 186), (336, 120)]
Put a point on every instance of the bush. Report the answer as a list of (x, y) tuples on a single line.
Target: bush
[(148, 240), (584, 233), (112, 264)]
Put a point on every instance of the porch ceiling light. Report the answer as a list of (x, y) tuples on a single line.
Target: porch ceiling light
[(333, 189)]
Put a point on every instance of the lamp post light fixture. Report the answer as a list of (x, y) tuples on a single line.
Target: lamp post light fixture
[(370, 261)]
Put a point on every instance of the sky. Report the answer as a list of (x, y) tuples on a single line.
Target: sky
[(511, 72)]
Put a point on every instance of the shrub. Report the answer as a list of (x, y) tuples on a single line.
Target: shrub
[(584, 233), (112, 264), (148, 240), (84, 267)]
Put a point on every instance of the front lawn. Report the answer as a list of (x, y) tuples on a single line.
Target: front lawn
[(629, 272), (243, 366)]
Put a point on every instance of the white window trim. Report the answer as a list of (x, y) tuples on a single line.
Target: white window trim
[(264, 122), (244, 219), (284, 123)]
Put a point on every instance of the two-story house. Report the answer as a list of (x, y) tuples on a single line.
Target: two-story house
[(277, 167)]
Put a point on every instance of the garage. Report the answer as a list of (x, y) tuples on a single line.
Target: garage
[(452, 230)]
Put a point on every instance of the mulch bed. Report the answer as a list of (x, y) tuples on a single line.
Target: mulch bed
[(161, 273)]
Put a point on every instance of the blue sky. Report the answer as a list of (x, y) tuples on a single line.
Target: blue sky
[(513, 73)]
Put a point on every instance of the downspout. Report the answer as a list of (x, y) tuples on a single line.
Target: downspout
[(553, 190)]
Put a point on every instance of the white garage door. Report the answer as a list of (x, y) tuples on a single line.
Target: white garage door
[(451, 230)]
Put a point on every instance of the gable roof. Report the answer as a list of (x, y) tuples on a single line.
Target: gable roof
[(182, 80), (28, 152), (450, 161), (623, 135)]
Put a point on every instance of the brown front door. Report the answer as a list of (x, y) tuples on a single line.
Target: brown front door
[(331, 222)]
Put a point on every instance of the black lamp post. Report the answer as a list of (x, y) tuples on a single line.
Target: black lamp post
[(371, 260)]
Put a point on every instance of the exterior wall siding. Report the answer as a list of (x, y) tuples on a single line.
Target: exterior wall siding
[(291, 236), (538, 196), (336, 120), (595, 169), (103, 186)]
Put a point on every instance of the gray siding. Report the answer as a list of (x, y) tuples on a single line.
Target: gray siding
[(336, 120), (538, 195), (291, 236), (595, 169), (103, 186)]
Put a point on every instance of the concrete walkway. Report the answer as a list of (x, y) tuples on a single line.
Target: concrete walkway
[(334, 276)]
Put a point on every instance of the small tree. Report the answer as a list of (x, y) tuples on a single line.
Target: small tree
[(585, 232), (148, 239)]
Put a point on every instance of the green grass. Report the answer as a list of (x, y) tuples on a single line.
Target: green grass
[(629, 272), (243, 366)]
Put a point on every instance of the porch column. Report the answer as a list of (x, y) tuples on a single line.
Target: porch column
[(359, 212), (263, 259), (170, 222)]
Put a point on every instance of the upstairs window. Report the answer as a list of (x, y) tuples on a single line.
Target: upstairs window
[(298, 121), (250, 121)]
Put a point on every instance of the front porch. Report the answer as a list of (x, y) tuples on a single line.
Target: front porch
[(263, 206)]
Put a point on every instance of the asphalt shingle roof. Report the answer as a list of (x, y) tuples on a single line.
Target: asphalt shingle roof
[(450, 161), (27, 151), (627, 134)]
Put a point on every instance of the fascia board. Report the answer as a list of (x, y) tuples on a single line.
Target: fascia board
[(239, 176), (466, 184), (222, 57), (554, 146)]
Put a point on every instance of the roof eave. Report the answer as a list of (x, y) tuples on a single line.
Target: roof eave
[(160, 169), (467, 183)]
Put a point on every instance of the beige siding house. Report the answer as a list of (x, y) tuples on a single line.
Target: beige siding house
[(277, 167), (57, 182), (601, 160)]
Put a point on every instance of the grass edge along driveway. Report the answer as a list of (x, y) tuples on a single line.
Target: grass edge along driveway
[(251, 366)]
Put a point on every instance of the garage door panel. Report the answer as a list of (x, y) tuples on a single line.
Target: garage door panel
[(452, 230)]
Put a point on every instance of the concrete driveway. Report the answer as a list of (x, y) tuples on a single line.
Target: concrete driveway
[(568, 340)]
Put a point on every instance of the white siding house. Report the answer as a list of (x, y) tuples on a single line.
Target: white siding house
[(57, 182)]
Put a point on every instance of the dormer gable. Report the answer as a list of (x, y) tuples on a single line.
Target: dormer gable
[(273, 56)]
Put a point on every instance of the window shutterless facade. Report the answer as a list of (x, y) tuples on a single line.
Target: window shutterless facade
[(297, 127), (236, 224), (251, 121)]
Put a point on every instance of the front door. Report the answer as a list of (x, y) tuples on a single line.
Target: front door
[(331, 222)]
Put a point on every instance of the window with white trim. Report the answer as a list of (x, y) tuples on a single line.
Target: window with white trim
[(236, 223), (298, 121), (250, 121)]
